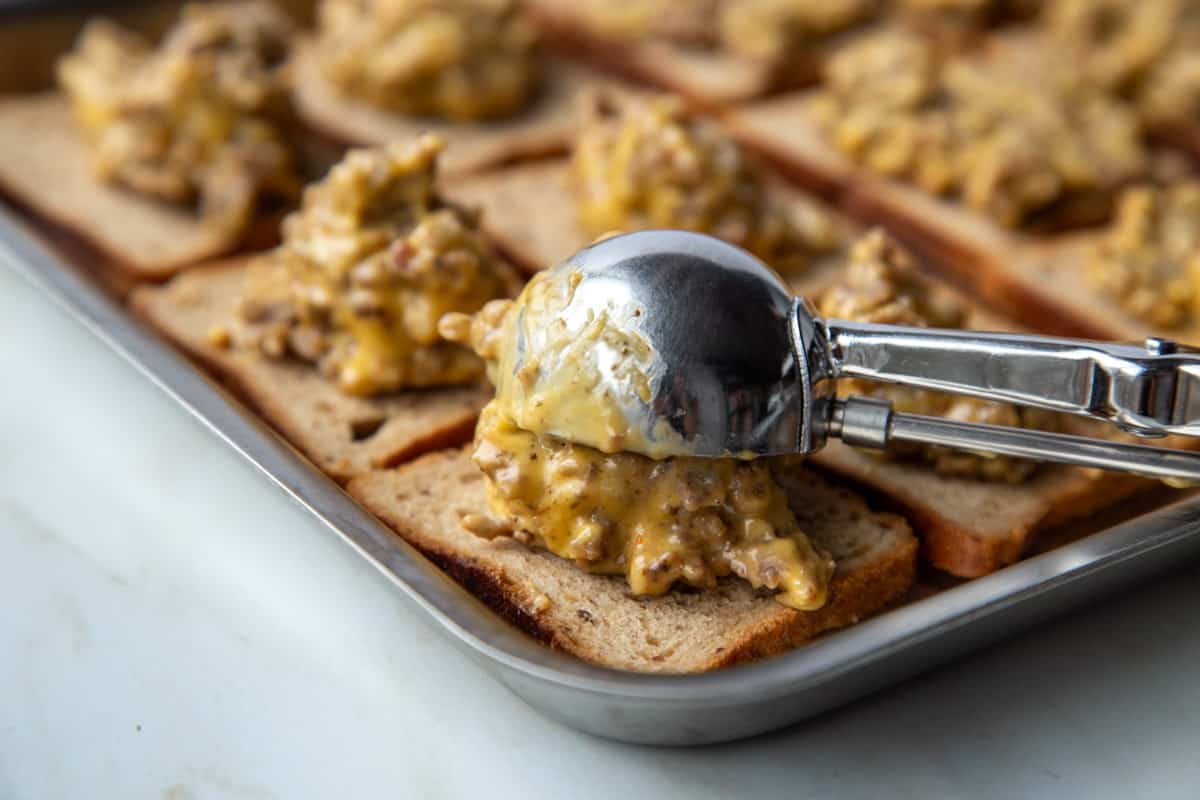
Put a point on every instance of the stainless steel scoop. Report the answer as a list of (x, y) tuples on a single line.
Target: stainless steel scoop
[(740, 367)]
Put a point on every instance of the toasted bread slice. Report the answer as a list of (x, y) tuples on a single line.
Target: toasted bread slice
[(342, 434), (596, 617), (1005, 268), (546, 128), (707, 77), (967, 527), (47, 169)]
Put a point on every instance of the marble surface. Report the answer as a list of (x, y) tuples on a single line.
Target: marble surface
[(172, 626)]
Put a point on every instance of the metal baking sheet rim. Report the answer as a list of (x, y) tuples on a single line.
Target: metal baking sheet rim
[(645, 708)]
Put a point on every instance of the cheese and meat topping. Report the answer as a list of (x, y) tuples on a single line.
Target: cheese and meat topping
[(1006, 139), (658, 522), (651, 165), (458, 59), (1147, 51), (1149, 259), (880, 285), (201, 120), (367, 266)]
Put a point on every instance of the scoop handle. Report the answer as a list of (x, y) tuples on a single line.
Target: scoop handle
[(870, 422), (1149, 390)]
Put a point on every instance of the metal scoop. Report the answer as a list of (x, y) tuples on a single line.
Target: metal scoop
[(740, 367)]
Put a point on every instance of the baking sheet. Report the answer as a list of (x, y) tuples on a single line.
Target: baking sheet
[(655, 709)]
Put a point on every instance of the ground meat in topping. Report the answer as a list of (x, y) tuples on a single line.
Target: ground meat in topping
[(367, 267), (1006, 139), (880, 285), (202, 119), (650, 165), (658, 523), (460, 59), (1149, 261)]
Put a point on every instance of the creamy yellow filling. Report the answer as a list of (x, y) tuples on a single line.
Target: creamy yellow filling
[(658, 523), (459, 59), (370, 263)]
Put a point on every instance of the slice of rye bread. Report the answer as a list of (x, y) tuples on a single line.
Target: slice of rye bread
[(46, 168), (597, 619), (530, 212), (342, 434), (706, 77), (547, 127)]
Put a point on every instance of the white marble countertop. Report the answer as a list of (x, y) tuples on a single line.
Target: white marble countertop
[(172, 626)]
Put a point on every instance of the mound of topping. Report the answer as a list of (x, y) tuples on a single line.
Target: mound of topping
[(650, 165), (880, 285), (200, 120), (1007, 139), (367, 266), (657, 522), (1149, 261), (777, 31), (1147, 51), (459, 59)]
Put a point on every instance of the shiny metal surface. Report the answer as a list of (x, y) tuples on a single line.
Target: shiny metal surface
[(1149, 390), (727, 380), (654, 709), (870, 422), (725, 377)]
